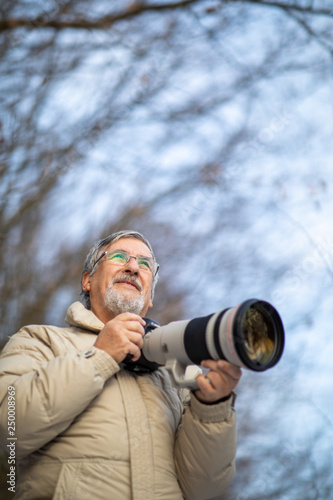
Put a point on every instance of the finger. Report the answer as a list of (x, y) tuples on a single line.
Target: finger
[(127, 316), (215, 381), (223, 367), (134, 351), (205, 384), (231, 370), (132, 327), (213, 388), (136, 338), (128, 321), (133, 346)]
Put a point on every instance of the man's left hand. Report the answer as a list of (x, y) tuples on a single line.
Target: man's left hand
[(219, 382)]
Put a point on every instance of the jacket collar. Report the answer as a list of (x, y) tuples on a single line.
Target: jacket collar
[(77, 315)]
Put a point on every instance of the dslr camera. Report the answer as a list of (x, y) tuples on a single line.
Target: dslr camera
[(250, 335)]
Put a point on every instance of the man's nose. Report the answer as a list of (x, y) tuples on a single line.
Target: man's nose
[(132, 265)]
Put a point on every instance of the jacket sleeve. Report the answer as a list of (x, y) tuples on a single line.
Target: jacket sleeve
[(205, 449), (49, 392)]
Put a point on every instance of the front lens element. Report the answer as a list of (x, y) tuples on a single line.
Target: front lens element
[(258, 334)]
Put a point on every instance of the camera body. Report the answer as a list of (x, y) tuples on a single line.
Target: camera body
[(142, 365)]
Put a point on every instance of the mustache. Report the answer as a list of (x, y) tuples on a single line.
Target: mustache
[(129, 279)]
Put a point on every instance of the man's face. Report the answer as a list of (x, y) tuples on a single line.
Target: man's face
[(117, 288)]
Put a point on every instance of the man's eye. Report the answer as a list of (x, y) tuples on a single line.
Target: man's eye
[(144, 264), (118, 257)]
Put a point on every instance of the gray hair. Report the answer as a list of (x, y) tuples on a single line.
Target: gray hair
[(96, 251)]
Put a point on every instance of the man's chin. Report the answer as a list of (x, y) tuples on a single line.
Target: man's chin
[(128, 295), (125, 301)]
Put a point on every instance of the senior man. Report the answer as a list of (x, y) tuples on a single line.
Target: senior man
[(85, 427)]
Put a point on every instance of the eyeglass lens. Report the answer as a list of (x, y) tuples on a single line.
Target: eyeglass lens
[(120, 257)]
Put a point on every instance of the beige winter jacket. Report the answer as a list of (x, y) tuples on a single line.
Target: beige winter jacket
[(87, 429)]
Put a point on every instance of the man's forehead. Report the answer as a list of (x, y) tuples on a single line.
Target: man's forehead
[(131, 245)]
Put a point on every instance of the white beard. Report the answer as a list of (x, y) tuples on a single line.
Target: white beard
[(117, 303)]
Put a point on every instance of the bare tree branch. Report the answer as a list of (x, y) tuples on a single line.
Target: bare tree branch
[(133, 10), (293, 7), (315, 36), (137, 8)]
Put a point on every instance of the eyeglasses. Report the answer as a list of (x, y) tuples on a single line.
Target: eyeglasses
[(120, 258)]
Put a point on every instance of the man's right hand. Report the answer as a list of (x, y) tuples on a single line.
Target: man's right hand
[(122, 335)]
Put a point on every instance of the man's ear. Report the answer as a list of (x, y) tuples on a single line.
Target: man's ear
[(86, 281), (150, 304)]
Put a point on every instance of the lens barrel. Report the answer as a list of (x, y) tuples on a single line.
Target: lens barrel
[(255, 335), (250, 335)]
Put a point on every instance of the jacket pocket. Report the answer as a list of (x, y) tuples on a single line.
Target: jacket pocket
[(97, 479), (67, 481)]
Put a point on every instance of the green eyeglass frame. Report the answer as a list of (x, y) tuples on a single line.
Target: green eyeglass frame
[(120, 257)]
